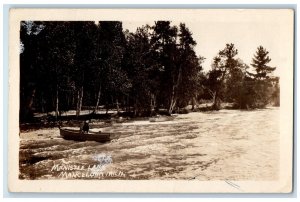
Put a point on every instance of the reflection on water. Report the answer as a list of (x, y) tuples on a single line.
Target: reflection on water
[(228, 144)]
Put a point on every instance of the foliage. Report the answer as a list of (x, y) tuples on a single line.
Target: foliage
[(69, 65), (231, 81), (66, 65), (263, 84)]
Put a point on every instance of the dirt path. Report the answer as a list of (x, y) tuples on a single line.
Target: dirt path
[(228, 144)]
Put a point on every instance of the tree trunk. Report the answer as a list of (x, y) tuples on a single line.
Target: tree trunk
[(56, 103), (98, 100), (173, 99), (117, 105), (28, 112), (152, 104), (107, 108), (216, 101), (79, 101), (77, 105), (172, 105), (193, 103), (135, 107)]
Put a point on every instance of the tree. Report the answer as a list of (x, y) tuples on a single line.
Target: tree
[(276, 92), (252, 90), (259, 63), (164, 39), (179, 64), (115, 82), (48, 55), (68, 65), (214, 83), (237, 86), (28, 62), (224, 64), (189, 67), (59, 56), (262, 77), (142, 68), (85, 35)]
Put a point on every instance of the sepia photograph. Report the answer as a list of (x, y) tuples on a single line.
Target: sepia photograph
[(153, 100)]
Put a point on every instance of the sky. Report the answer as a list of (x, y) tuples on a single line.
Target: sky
[(246, 31)]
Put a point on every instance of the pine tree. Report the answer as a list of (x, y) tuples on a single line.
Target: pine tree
[(259, 62), (262, 80)]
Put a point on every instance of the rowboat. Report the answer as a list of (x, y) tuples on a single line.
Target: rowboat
[(77, 135), (161, 118)]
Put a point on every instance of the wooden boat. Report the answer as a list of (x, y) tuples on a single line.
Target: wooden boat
[(77, 135), (161, 118)]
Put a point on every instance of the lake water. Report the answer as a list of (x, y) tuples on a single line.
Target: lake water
[(225, 144)]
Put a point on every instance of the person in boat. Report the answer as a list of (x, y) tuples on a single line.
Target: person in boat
[(86, 127)]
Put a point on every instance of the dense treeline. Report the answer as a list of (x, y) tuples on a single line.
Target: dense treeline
[(68, 65)]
